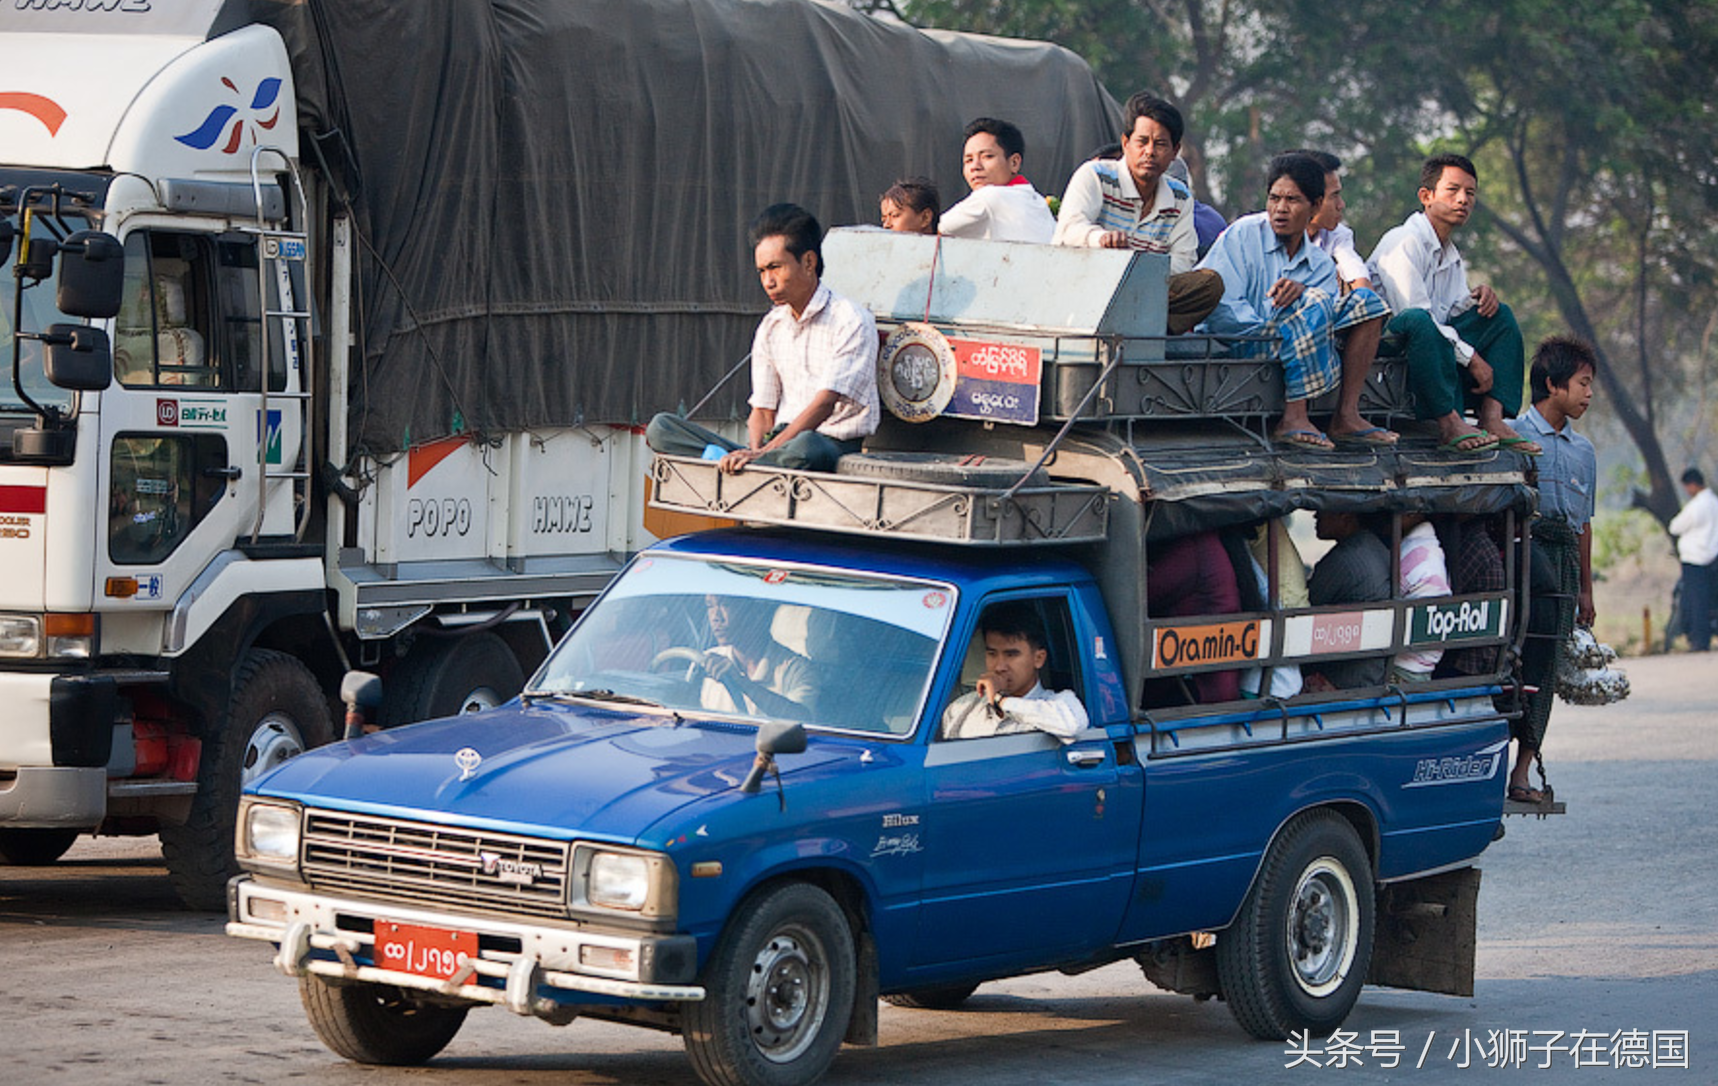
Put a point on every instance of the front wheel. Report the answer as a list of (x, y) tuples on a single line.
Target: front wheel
[(1296, 956), (377, 1023), (779, 992)]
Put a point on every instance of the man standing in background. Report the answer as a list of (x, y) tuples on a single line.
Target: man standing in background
[(1696, 532)]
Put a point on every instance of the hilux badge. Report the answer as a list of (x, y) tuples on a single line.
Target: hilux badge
[(467, 759)]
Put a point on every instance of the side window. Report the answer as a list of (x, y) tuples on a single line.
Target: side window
[(161, 488), (1020, 645), (165, 333), (241, 310)]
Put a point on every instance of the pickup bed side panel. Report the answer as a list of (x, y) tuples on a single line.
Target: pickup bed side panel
[(1210, 816)]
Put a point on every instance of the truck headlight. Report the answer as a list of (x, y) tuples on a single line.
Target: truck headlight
[(268, 834), (640, 883), (20, 636)]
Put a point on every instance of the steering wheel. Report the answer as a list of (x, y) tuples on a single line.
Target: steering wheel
[(695, 664)]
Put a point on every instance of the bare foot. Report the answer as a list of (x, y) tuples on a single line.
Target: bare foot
[(1513, 440)]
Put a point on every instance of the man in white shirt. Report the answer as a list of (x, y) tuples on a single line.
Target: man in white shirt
[(1135, 204), (1003, 205), (1464, 347), (1329, 232), (1696, 532), (749, 671), (1009, 696), (814, 363)]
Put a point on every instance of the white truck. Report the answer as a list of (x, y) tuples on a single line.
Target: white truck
[(398, 289)]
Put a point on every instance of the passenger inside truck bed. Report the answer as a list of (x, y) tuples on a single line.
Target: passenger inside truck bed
[(1192, 575)]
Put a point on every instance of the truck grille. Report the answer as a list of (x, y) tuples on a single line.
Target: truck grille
[(435, 865)]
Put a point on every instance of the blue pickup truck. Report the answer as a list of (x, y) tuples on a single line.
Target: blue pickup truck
[(741, 800)]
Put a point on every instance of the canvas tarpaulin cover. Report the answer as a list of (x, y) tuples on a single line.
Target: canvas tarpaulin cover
[(553, 195)]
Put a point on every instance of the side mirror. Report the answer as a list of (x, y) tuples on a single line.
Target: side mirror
[(773, 739), (36, 257), (92, 275), (5, 240), (362, 693), (77, 357)]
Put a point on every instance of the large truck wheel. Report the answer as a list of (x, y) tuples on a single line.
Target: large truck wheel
[(447, 676), (779, 992), (1296, 956), (378, 1023), (277, 710), (34, 847)]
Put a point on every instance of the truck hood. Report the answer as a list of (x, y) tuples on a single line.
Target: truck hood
[(555, 771)]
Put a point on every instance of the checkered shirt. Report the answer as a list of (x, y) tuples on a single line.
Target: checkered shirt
[(833, 345)]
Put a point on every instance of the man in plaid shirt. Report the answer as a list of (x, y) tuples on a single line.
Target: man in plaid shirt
[(814, 363)]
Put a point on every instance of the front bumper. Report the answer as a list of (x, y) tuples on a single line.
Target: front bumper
[(322, 935), (53, 797)]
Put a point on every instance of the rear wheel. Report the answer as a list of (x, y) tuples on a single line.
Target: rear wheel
[(1296, 956), (378, 1023), (779, 992), (277, 711), (448, 676), (938, 997), (34, 847)]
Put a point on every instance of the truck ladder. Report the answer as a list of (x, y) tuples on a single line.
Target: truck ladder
[(277, 251)]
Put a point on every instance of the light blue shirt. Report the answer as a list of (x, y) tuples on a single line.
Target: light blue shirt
[(1568, 469), (1250, 258)]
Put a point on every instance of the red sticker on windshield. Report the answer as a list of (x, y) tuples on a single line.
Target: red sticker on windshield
[(934, 600), (775, 576)]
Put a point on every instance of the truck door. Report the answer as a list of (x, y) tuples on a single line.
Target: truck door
[(183, 423), (1029, 844)]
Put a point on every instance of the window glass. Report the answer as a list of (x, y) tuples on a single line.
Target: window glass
[(241, 309), (165, 332), (160, 489)]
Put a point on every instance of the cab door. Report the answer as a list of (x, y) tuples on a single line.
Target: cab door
[(183, 429)]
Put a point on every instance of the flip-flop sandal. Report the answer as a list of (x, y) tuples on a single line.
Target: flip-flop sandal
[(1509, 442), (1373, 436), (1456, 446), (1305, 439), (1521, 793)]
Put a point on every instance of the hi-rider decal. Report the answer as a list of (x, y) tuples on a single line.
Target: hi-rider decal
[(1481, 765)]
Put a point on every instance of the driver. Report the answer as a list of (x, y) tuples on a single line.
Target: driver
[(748, 663), (1009, 696)]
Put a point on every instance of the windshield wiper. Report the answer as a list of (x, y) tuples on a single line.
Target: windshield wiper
[(594, 695)]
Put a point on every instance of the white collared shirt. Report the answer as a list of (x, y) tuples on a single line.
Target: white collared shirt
[(1696, 529), (832, 345), (1060, 714), (1013, 212), (1411, 269), (1339, 243)]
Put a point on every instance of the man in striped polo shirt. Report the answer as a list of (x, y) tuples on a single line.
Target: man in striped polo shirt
[(1134, 204)]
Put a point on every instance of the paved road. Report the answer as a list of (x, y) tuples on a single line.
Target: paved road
[(1603, 920)]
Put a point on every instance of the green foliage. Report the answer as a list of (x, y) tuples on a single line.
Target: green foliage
[(1625, 535)]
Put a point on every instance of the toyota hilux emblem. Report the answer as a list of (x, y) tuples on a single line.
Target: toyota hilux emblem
[(467, 759)]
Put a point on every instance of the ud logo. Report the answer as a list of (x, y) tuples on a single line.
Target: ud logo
[(167, 412)]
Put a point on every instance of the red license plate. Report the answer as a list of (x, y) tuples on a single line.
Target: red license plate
[(425, 952)]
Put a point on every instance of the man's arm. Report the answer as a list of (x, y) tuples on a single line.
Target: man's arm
[(1235, 313), (1082, 202), (1183, 243), (1585, 612), (760, 422), (1060, 714), (965, 219)]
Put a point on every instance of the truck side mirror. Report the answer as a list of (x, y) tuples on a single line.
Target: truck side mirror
[(77, 357), (773, 739), (362, 693), (92, 275)]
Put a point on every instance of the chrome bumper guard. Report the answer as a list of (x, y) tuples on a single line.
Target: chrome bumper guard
[(310, 928)]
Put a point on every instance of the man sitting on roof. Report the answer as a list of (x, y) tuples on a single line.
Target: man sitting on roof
[(1279, 285), (814, 363), (1010, 697), (1464, 347), (1134, 204), (1003, 206)]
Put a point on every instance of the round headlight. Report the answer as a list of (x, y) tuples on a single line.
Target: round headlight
[(618, 881)]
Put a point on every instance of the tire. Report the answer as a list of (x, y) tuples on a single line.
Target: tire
[(447, 676), (985, 472), (1296, 956), (378, 1023), (779, 990), (34, 847), (276, 711), (939, 997)]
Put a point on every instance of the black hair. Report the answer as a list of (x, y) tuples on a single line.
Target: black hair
[(1557, 361), (1007, 135), (1110, 150), (917, 194), (1303, 170), (1692, 475), (1324, 158), (1433, 171), (1014, 619), (1146, 104), (796, 227)]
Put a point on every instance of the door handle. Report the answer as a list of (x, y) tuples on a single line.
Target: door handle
[(230, 473), (1085, 758)]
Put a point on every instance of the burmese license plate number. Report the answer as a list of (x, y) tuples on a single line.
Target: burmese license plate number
[(426, 952)]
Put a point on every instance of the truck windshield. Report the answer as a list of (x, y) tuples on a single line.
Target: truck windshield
[(39, 312), (832, 649)]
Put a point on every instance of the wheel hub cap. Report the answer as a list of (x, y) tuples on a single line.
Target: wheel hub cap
[(786, 997), (1322, 935), (273, 741)]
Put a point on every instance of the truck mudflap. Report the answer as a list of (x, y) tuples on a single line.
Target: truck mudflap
[(305, 946), (1425, 935)]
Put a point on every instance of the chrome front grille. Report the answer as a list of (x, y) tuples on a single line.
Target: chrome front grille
[(425, 864)]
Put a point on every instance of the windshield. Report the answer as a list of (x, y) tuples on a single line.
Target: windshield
[(39, 312), (834, 650)]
